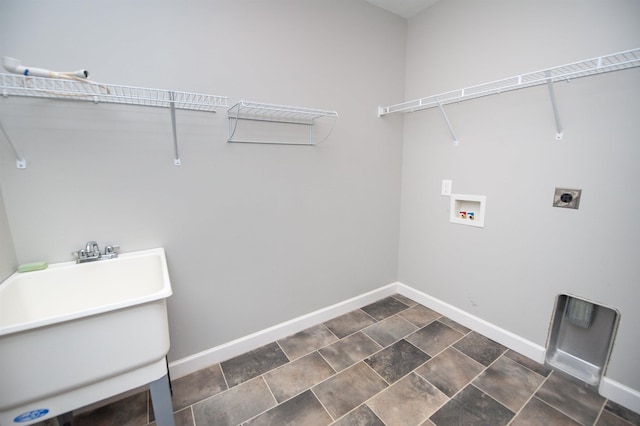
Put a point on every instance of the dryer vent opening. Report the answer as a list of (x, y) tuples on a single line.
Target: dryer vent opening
[(581, 337)]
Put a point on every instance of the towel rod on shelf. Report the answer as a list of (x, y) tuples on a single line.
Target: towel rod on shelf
[(89, 91), (601, 64)]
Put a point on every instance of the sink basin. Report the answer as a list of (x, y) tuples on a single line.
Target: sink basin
[(74, 334)]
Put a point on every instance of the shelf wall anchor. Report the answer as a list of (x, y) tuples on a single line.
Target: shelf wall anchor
[(552, 95), (446, 119), (172, 108), (21, 163)]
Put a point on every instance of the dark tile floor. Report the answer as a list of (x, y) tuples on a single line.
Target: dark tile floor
[(393, 362)]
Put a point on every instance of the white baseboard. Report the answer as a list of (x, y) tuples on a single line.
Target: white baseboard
[(500, 335), (206, 358), (621, 394)]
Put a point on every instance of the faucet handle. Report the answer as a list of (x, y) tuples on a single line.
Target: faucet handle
[(79, 254), (112, 250)]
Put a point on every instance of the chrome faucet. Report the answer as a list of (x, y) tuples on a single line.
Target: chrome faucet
[(92, 249), (91, 252)]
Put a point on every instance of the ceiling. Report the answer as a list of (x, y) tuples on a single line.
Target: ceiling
[(404, 8)]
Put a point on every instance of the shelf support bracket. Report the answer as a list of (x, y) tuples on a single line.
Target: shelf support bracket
[(552, 95), (21, 163), (172, 106), (446, 119)]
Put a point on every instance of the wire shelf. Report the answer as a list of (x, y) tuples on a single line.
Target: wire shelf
[(89, 91), (278, 113), (52, 88), (613, 62), (255, 111)]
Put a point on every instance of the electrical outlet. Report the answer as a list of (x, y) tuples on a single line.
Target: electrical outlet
[(567, 198)]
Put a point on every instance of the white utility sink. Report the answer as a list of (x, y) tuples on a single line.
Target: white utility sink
[(74, 334)]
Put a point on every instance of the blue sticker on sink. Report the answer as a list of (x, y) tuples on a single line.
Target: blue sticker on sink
[(31, 415)]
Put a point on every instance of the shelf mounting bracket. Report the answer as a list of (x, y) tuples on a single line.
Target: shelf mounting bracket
[(21, 163), (552, 95), (446, 119), (172, 107)]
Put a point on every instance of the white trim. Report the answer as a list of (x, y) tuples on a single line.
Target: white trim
[(208, 357), (621, 394), (512, 341)]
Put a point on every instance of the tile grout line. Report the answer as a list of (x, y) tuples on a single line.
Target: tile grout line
[(533, 395), (604, 404), (463, 354), (367, 314), (558, 408), (626, 422), (330, 366), (483, 391), (277, 342), (372, 339), (402, 378), (371, 408), (322, 324), (492, 397), (193, 415), (375, 320), (316, 384), (311, 387), (378, 374), (214, 395), (389, 317), (224, 377), (333, 420), (470, 382), (446, 347), (306, 354), (263, 411), (394, 296)]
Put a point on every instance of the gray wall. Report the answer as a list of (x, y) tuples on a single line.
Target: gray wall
[(255, 235), (8, 261), (510, 272)]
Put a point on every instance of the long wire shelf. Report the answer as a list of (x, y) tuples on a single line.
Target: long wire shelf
[(86, 90), (602, 64), (256, 111), (54, 88)]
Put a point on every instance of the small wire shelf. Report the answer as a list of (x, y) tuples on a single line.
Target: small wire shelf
[(613, 62), (262, 112)]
